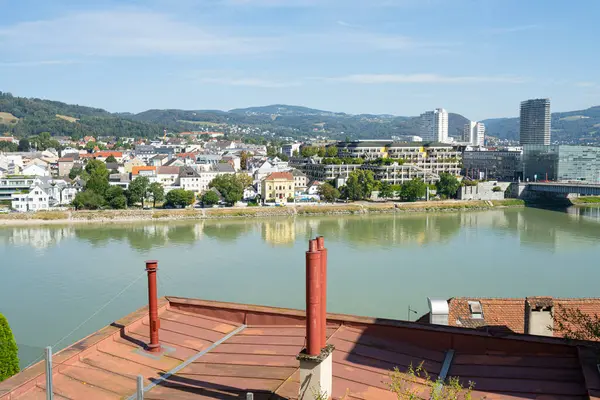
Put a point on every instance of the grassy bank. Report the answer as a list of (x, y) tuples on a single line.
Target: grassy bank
[(586, 200), (108, 216)]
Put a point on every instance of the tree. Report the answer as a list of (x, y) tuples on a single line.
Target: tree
[(244, 160), (271, 151), (385, 191), (295, 153), (9, 352), (115, 197), (97, 177), (360, 184), (328, 192), (75, 172), (308, 151), (180, 198), (111, 159), (231, 186), (572, 323), (88, 200), (332, 151), (283, 157), (138, 190), (8, 146), (210, 198), (447, 186), (157, 192), (321, 152), (413, 190), (24, 145)]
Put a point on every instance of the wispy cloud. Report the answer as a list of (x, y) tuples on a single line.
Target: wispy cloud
[(125, 32), (36, 63), (513, 29), (252, 82), (421, 78), (586, 84)]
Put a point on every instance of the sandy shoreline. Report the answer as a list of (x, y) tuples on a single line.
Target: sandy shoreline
[(135, 215)]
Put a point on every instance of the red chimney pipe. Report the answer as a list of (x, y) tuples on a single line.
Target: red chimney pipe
[(313, 299), (323, 251), (151, 268)]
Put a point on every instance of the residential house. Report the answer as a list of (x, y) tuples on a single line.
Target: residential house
[(313, 188), (146, 170), (530, 315), (234, 160), (134, 162), (189, 179), (115, 167), (34, 199), (35, 170), (300, 181), (250, 193), (104, 154), (144, 152), (60, 192), (158, 160), (167, 175), (278, 187), (174, 162), (122, 179), (14, 184), (66, 164)]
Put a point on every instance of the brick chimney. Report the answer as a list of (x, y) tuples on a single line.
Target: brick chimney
[(316, 359)]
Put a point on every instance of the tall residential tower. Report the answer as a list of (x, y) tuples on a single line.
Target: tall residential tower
[(535, 122), (434, 126), (474, 133)]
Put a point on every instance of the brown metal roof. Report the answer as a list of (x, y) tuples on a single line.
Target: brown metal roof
[(230, 349)]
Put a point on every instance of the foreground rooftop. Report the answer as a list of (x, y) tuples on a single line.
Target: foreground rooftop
[(216, 350)]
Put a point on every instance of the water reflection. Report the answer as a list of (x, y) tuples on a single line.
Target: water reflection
[(533, 227)]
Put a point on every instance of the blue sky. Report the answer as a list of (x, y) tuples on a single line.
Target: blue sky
[(479, 58)]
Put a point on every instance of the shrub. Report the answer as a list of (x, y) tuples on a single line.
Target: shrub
[(403, 385), (9, 359), (496, 189)]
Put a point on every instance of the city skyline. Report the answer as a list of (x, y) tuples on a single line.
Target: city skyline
[(393, 57)]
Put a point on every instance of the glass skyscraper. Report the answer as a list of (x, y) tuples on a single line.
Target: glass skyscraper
[(535, 122)]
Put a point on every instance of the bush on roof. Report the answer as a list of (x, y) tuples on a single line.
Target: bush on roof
[(9, 359)]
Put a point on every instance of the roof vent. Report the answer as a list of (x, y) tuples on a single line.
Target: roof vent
[(476, 310), (438, 311)]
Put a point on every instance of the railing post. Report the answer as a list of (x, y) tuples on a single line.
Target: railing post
[(151, 268), (140, 387), (49, 387)]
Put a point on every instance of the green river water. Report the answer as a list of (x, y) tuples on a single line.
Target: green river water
[(52, 278)]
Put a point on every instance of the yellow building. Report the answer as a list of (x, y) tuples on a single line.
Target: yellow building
[(134, 162), (278, 186)]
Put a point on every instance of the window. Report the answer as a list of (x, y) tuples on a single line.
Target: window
[(476, 310)]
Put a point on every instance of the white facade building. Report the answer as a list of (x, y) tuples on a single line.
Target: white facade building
[(35, 170), (35, 200), (474, 133), (434, 125)]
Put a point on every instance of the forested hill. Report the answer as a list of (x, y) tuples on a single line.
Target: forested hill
[(25, 117)]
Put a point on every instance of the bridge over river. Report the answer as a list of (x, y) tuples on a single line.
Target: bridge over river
[(565, 188)]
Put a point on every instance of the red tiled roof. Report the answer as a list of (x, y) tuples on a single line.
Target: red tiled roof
[(254, 348), (280, 175), (509, 313), (186, 155), (107, 154)]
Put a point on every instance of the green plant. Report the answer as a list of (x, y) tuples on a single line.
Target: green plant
[(9, 359), (416, 383), (496, 189), (209, 198)]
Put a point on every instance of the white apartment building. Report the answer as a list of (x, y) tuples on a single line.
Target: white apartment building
[(35, 200), (434, 126), (474, 133)]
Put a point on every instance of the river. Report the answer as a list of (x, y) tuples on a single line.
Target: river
[(53, 278)]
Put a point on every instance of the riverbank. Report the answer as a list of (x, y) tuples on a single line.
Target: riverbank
[(586, 200), (111, 216)]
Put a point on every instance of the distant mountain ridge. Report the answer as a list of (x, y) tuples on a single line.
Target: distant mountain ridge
[(36, 115)]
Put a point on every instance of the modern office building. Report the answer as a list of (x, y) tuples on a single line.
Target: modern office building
[(535, 122), (504, 165), (561, 163), (434, 125), (474, 133)]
